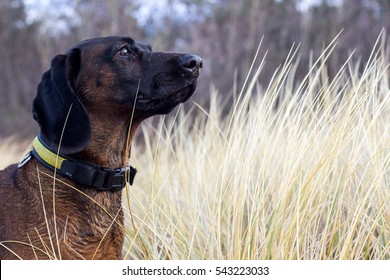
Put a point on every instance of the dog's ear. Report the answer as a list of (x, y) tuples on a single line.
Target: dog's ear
[(57, 107)]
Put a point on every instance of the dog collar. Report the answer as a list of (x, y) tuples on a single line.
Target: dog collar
[(99, 178)]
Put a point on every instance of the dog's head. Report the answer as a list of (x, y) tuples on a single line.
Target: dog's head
[(112, 76)]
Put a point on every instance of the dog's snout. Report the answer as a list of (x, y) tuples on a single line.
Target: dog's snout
[(191, 62)]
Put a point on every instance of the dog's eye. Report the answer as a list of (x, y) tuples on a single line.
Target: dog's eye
[(124, 51)]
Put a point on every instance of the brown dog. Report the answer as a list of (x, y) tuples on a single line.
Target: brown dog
[(63, 201)]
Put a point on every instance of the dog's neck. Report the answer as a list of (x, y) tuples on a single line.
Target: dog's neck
[(110, 143)]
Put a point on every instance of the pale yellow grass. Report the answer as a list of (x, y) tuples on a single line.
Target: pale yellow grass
[(12, 150), (309, 179)]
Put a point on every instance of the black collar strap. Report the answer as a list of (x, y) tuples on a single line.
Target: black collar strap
[(99, 178)]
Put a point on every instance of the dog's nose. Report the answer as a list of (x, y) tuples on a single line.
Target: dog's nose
[(191, 62)]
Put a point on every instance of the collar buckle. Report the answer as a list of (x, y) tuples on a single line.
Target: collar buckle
[(115, 179)]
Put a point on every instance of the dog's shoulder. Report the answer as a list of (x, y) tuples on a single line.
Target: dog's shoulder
[(8, 177)]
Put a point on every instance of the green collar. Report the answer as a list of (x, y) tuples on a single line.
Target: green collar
[(99, 178)]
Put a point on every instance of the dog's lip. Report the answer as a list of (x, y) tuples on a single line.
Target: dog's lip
[(151, 103), (144, 98)]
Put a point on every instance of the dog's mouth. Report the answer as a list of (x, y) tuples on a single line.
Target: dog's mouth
[(163, 101)]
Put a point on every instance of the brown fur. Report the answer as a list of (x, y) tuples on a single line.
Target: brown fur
[(45, 219)]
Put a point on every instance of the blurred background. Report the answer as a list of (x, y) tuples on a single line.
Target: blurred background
[(225, 33)]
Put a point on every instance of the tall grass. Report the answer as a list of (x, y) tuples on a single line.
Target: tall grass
[(308, 179), (289, 171)]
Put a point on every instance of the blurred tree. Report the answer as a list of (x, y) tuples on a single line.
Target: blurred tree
[(229, 36), (111, 17), (18, 67), (362, 21)]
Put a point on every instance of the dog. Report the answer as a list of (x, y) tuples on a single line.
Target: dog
[(63, 200)]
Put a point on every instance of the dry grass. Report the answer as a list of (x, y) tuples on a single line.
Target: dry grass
[(12, 150), (308, 180)]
